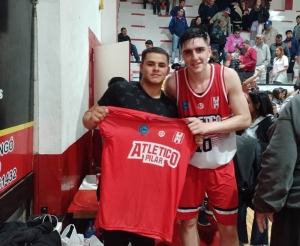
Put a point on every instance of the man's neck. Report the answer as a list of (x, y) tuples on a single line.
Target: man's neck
[(153, 90), (199, 78)]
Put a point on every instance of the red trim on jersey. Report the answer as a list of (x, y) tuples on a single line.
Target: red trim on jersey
[(223, 82), (212, 74)]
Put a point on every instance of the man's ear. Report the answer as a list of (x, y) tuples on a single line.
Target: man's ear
[(141, 67)]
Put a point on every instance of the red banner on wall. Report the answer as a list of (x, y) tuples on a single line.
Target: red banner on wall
[(16, 154)]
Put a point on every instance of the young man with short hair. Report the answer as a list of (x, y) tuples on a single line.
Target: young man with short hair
[(210, 97), (174, 11), (296, 31), (294, 49), (177, 26), (144, 96)]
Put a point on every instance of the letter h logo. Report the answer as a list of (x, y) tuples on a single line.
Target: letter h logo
[(178, 137)]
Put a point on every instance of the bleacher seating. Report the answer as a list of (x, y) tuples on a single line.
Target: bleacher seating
[(141, 24)]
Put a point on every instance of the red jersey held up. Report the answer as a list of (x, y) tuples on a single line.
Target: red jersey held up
[(210, 106), (144, 163)]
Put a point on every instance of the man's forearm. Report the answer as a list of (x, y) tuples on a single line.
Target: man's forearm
[(238, 122)]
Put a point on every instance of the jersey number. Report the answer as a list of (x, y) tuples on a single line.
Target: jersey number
[(207, 146)]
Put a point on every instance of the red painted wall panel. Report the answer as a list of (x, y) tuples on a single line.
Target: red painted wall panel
[(58, 177)]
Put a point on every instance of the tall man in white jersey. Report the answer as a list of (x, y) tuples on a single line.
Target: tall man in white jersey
[(211, 98)]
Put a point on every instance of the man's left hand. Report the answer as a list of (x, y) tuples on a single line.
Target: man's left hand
[(197, 126)]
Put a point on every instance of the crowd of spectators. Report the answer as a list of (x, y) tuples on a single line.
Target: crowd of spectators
[(265, 50)]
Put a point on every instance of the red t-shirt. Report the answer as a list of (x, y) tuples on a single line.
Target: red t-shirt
[(144, 163)]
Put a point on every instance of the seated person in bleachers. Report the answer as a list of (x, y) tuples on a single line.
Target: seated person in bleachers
[(208, 11), (122, 37), (233, 61), (149, 44), (234, 41), (161, 3), (197, 23), (223, 15), (153, 3), (174, 10)]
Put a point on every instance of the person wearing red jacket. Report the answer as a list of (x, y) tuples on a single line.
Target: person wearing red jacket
[(248, 61)]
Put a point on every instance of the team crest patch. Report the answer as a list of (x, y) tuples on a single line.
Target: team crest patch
[(215, 102), (178, 137), (185, 105), (200, 105), (143, 129)]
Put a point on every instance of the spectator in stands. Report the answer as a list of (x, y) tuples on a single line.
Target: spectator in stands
[(258, 17), (278, 42), (177, 26), (269, 33), (280, 66), (294, 49), (249, 62), (149, 44), (208, 11), (174, 11), (233, 61), (263, 57), (122, 37), (217, 36), (277, 98), (296, 31), (197, 23), (165, 3), (152, 2), (234, 41), (201, 6), (226, 28), (280, 171), (246, 25)]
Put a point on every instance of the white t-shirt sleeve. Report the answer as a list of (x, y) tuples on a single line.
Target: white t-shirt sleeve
[(285, 61)]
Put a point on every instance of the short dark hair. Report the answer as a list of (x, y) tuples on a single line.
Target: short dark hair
[(297, 85), (288, 32), (180, 8), (193, 33), (278, 36), (122, 28), (114, 80), (149, 42), (262, 98), (276, 93), (298, 17), (237, 29), (157, 50), (181, 1)]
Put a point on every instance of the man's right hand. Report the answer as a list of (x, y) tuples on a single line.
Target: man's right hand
[(93, 116), (98, 113)]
